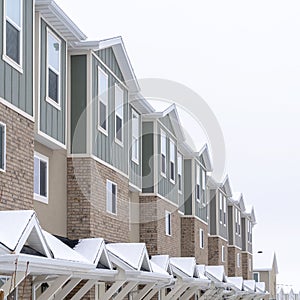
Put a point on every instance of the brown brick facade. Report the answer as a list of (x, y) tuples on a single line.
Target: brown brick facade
[(190, 239), (16, 183), (87, 215), (215, 252), (234, 269), (152, 226), (247, 265)]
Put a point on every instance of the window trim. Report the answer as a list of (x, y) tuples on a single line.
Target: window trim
[(220, 207), (172, 143), (107, 210), (168, 223), (238, 260), (4, 148), (99, 93), (201, 236), (51, 101), (38, 197), (135, 138), (163, 134), (121, 143), (223, 254), (224, 211), (5, 57), (198, 182), (258, 276), (179, 158)]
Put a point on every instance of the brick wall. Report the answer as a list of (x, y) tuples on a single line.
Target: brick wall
[(152, 226), (246, 271), (190, 239), (233, 269), (16, 188), (215, 252), (87, 215)]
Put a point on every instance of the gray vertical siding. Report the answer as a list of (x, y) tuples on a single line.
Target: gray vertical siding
[(17, 88), (104, 146), (231, 225), (244, 235), (188, 197), (78, 103), (52, 120), (166, 121), (147, 157), (223, 230), (213, 213)]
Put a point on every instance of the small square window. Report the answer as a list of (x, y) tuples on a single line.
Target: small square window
[(168, 224), (41, 177), (111, 197)]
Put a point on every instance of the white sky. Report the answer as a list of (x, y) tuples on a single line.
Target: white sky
[(243, 58)]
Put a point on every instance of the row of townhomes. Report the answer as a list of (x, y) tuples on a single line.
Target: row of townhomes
[(101, 197)]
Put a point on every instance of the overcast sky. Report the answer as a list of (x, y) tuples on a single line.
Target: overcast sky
[(243, 58)]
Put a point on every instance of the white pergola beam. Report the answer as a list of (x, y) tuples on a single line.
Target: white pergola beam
[(179, 293), (145, 290), (112, 290), (151, 294), (13, 282), (189, 293), (124, 292), (54, 287), (178, 286), (67, 288), (88, 285)]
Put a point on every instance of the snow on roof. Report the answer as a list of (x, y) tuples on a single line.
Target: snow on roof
[(249, 285), (236, 281), (158, 269), (134, 255), (61, 250), (201, 271), (185, 265), (265, 261), (215, 272), (163, 261), (260, 287)]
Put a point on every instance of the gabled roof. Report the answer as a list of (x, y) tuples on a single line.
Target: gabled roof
[(163, 261), (59, 20), (204, 153), (236, 281), (260, 287), (265, 261), (129, 256), (183, 266), (215, 273), (226, 186), (250, 213), (238, 199), (249, 285), (200, 271), (25, 230)]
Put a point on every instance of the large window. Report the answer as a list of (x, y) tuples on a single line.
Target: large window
[(172, 161), (135, 147), (179, 171), (111, 197), (102, 100), (53, 68), (119, 113), (2, 146), (163, 150), (198, 183), (41, 166), (168, 224), (13, 32), (201, 236)]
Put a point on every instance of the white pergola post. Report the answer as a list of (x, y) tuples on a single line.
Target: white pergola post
[(112, 290), (151, 294), (88, 285), (189, 293), (124, 292), (13, 282), (67, 288), (142, 293), (54, 287)]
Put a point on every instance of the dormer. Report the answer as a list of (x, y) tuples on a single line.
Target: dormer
[(248, 222)]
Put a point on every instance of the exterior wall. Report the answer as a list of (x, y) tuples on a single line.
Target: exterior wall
[(53, 216), (233, 269), (190, 239), (212, 212), (269, 278), (188, 183), (234, 238), (16, 189), (246, 271), (52, 121), (87, 215), (17, 88), (215, 244), (134, 215), (152, 226)]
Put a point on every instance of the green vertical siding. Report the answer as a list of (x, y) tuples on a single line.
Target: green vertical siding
[(104, 146), (78, 103), (17, 88), (52, 120)]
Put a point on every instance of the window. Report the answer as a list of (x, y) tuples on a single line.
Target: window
[(135, 148), (198, 183), (53, 68), (179, 171), (102, 100), (13, 33), (238, 260), (221, 207), (250, 264), (41, 163), (224, 210), (168, 223), (2, 146), (119, 111), (249, 231), (239, 223), (111, 197), (223, 254), (172, 161), (203, 176), (163, 150), (256, 276), (201, 234)]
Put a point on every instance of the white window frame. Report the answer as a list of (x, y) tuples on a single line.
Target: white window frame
[(220, 207), (258, 276), (223, 254), (39, 197), (238, 260), (203, 178), (172, 160), (239, 223), (111, 183), (120, 115), (3, 167), (57, 104), (163, 140), (201, 238), (102, 98), (224, 211), (5, 57), (168, 223), (250, 264), (179, 172), (135, 136), (198, 183)]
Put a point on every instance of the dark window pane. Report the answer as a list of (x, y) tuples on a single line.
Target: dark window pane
[(172, 171), (103, 115), (43, 178), (12, 42), (53, 86), (169, 224), (163, 163), (198, 191), (114, 198), (119, 128), (179, 182)]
